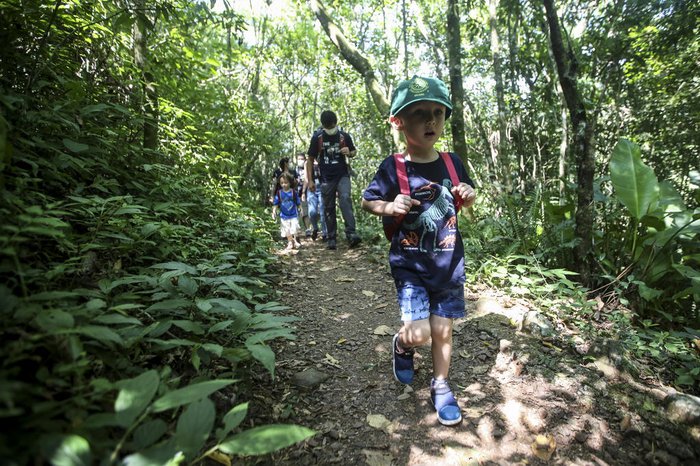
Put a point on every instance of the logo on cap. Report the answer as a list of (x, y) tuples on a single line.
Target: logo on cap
[(418, 86)]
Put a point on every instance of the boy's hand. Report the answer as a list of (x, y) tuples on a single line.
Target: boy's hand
[(466, 193), (402, 204)]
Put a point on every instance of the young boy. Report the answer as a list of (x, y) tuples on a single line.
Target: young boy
[(288, 202), (426, 255)]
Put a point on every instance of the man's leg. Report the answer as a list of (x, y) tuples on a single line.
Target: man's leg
[(345, 202), (328, 190)]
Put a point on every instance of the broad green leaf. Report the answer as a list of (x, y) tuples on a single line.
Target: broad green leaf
[(271, 306), (176, 266), (220, 326), (189, 394), (169, 305), (134, 396), (264, 355), (187, 285), (160, 455), (93, 108), (99, 333), (647, 293), (73, 146), (213, 348), (51, 320), (233, 419), (95, 304), (635, 184), (194, 426), (164, 345), (270, 335), (72, 451), (149, 433), (53, 295), (189, 326), (265, 439), (116, 319)]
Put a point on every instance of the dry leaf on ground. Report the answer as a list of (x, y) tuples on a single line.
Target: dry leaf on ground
[(543, 447), (383, 330), (377, 458), (380, 422)]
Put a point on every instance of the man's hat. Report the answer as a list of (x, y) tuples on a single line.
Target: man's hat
[(419, 88)]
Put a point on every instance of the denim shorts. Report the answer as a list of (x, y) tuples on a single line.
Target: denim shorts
[(418, 303)]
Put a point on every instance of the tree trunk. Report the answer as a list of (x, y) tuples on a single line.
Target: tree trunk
[(499, 139), (582, 147), (149, 103), (352, 56), (454, 51)]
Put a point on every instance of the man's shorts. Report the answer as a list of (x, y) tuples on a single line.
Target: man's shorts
[(289, 226), (304, 209), (418, 303)]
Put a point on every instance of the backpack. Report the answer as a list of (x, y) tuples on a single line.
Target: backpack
[(294, 197), (320, 140), (404, 188)]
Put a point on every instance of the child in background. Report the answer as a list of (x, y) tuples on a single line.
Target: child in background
[(427, 254), (288, 202)]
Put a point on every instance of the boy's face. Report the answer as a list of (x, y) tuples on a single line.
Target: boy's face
[(301, 161), (422, 123), (284, 183)]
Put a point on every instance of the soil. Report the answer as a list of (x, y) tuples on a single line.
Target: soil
[(525, 399)]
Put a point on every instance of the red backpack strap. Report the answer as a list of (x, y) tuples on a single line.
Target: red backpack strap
[(320, 143), (404, 188), (453, 176)]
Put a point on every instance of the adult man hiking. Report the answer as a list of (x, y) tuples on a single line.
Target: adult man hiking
[(331, 147)]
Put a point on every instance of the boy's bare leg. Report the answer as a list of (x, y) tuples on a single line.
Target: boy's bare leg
[(441, 332), (414, 333)]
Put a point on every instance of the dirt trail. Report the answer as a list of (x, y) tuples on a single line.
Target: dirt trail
[(514, 389)]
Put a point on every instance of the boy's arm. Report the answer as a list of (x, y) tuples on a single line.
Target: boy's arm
[(399, 206)]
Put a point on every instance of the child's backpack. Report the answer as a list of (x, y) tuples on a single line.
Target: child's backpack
[(294, 196), (404, 188)]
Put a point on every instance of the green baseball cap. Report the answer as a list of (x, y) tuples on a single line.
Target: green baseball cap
[(419, 88)]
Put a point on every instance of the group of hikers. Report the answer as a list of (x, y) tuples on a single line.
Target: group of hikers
[(418, 193), (310, 192)]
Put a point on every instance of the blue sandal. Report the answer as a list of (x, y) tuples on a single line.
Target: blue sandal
[(402, 363), (448, 412)]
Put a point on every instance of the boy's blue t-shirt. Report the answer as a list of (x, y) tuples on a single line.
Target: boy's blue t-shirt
[(332, 164), (288, 203), (427, 248)]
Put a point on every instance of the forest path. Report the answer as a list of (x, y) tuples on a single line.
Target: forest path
[(514, 388)]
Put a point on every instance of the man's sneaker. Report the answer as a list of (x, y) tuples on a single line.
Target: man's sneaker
[(354, 241), (448, 412), (314, 235), (331, 244), (308, 233), (402, 362), (324, 238)]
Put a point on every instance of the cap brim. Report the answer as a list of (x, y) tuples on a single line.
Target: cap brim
[(439, 101)]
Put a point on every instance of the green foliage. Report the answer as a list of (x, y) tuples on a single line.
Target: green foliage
[(135, 283), (664, 276)]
